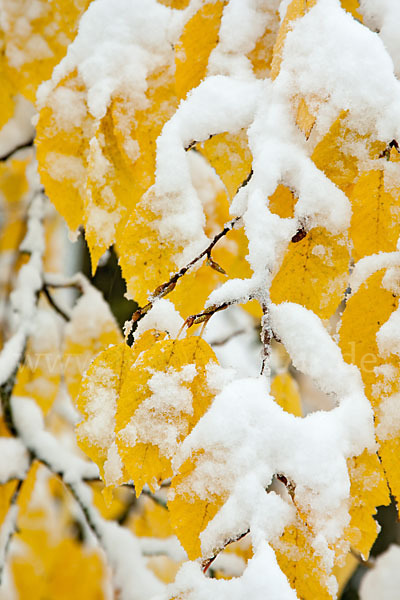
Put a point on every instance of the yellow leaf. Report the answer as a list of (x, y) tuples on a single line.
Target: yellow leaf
[(389, 450), (352, 7), (176, 4), (282, 202), (285, 392), (62, 145), (164, 568), (13, 194), (6, 493), (92, 328), (192, 51), (305, 120), (313, 273), (335, 154), (295, 10), (261, 55), (230, 156), (42, 570), (152, 521), (366, 311), (147, 260), (301, 564), (36, 40), (375, 222), (163, 397), (97, 402), (7, 90), (368, 491), (119, 501), (189, 513), (344, 572)]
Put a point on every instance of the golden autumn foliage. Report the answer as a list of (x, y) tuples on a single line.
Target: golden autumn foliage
[(184, 139)]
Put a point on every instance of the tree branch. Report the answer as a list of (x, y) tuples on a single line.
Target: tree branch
[(207, 562), (167, 287), (9, 527), (54, 305), (28, 144)]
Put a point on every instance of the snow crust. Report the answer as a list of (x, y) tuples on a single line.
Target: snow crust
[(262, 578), (117, 46)]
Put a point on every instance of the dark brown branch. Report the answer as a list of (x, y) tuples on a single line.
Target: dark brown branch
[(205, 315), (167, 287), (289, 485), (28, 144), (207, 562), (194, 143), (11, 531), (245, 181), (5, 396), (54, 305), (228, 338)]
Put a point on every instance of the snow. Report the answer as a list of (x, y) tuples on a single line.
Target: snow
[(261, 579), (122, 549), (247, 438), (369, 265), (14, 459), (23, 298), (336, 65), (383, 580), (18, 130), (118, 45), (100, 393), (91, 315), (216, 105), (151, 546), (6, 531), (365, 87), (382, 16), (162, 316), (162, 417), (242, 23), (28, 420)]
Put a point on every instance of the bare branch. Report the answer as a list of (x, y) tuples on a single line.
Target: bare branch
[(25, 145), (205, 315), (54, 304), (9, 527), (167, 287), (207, 562)]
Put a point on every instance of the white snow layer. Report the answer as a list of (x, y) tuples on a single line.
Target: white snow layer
[(383, 580)]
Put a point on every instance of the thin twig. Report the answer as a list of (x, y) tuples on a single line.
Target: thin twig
[(266, 337), (167, 287), (228, 338), (54, 305), (205, 564), (155, 498), (205, 315), (11, 527), (23, 146)]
